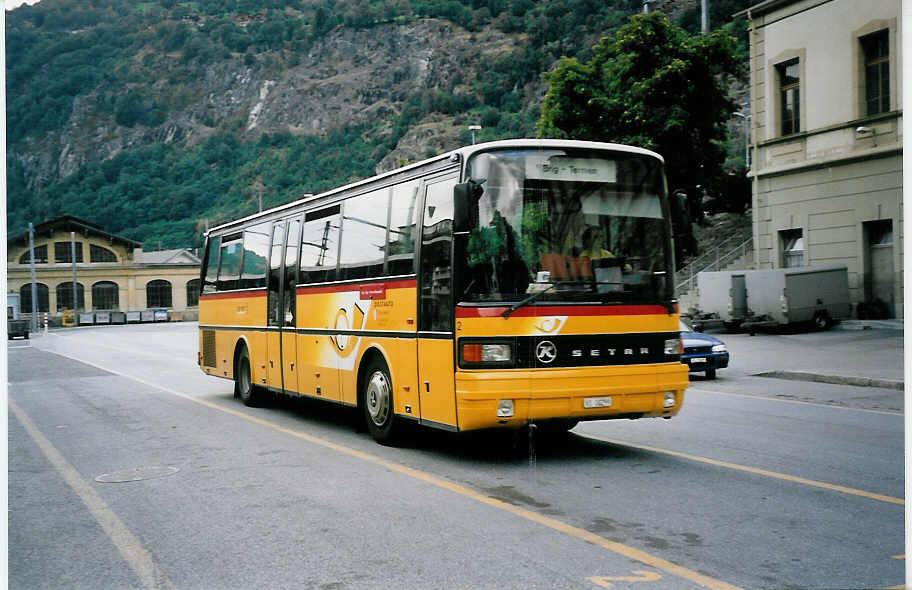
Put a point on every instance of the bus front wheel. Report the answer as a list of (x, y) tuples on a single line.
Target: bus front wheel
[(377, 404), (243, 383)]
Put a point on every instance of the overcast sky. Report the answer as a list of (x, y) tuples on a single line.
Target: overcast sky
[(10, 4)]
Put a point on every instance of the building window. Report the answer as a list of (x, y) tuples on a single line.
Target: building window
[(63, 252), (789, 97), (105, 295), (25, 298), (876, 49), (158, 294), (65, 296), (41, 255), (193, 292), (880, 233), (792, 248), (100, 254)]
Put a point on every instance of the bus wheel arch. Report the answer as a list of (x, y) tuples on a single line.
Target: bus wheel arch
[(244, 386), (376, 398)]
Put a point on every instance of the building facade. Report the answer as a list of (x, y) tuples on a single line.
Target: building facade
[(826, 142), (112, 273)]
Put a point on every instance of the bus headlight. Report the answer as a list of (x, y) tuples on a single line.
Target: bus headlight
[(505, 408), (481, 354), (669, 401), (674, 346)]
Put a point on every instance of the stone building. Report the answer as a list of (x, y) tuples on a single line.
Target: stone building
[(826, 133), (113, 273)]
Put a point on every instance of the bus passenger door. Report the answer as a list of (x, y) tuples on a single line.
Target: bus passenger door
[(289, 307), (436, 384), (274, 309)]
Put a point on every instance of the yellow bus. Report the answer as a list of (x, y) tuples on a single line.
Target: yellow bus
[(495, 286)]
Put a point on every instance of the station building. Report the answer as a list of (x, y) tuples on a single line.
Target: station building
[(113, 273), (826, 142)]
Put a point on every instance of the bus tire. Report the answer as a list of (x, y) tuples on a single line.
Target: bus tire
[(377, 403), (244, 388)]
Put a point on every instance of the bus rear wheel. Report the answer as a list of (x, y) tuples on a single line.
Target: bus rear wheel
[(377, 404), (244, 388)]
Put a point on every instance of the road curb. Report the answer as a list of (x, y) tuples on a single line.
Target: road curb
[(834, 379)]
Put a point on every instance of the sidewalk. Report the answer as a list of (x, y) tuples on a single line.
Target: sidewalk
[(857, 352)]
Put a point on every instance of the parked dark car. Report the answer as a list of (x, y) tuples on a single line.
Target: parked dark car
[(703, 353)]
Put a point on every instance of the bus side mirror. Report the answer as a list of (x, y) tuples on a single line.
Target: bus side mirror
[(680, 213), (465, 205)]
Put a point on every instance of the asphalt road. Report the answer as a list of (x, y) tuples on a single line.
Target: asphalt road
[(129, 468)]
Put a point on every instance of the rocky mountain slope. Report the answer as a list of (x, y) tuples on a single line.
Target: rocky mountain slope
[(157, 118)]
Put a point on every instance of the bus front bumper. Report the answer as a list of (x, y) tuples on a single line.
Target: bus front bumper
[(484, 398)]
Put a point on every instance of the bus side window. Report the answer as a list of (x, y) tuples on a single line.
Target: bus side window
[(256, 246), (291, 267), (231, 254), (403, 231), (320, 245), (436, 270), (364, 235), (211, 270)]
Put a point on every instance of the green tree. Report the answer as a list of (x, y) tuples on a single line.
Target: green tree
[(652, 85)]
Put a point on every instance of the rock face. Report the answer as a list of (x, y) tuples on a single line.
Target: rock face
[(349, 77)]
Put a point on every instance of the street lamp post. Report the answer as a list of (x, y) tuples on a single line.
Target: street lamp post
[(473, 129)]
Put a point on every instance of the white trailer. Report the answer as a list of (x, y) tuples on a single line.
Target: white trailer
[(722, 297), (785, 296)]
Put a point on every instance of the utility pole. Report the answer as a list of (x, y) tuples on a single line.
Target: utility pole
[(34, 282), (704, 16), (73, 253)]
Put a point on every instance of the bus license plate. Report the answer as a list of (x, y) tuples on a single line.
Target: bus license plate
[(699, 359), (597, 402)]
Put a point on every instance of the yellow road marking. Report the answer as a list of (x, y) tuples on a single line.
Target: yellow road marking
[(127, 543), (795, 401), (552, 523), (639, 576), (754, 470)]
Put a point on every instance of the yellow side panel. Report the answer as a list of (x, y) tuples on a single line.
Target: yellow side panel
[(341, 323), (273, 361), (290, 362), (435, 381), (244, 314)]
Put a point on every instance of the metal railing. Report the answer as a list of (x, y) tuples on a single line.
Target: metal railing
[(716, 259)]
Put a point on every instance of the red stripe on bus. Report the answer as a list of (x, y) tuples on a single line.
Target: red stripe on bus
[(234, 295), (400, 284), (576, 310)]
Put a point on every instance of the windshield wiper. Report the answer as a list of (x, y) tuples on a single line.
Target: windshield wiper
[(530, 299)]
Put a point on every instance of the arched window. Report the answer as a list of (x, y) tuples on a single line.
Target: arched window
[(158, 294), (25, 298), (101, 254), (105, 295), (41, 255), (65, 296), (193, 292)]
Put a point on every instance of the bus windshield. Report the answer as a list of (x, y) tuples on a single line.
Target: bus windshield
[(566, 225)]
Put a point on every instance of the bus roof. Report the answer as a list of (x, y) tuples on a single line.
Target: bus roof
[(461, 154)]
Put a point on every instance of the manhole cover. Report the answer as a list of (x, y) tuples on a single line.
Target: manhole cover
[(136, 474)]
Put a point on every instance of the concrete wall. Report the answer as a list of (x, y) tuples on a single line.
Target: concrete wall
[(828, 180)]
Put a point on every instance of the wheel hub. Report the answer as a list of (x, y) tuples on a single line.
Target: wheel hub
[(378, 398)]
